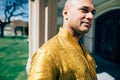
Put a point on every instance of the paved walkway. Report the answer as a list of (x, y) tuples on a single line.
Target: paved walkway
[(107, 70)]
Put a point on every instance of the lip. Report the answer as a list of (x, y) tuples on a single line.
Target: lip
[(88, 24)]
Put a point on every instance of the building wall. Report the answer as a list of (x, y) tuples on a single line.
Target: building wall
[(101, 9), (89, 38)]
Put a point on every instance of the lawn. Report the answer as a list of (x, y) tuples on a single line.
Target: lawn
[(13, 58)]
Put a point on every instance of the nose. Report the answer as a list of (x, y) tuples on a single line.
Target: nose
[(90, 16)]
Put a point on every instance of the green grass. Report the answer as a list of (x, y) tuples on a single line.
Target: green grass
[(13, 58)]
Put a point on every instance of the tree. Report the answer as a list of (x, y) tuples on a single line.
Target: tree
[(10, 9)]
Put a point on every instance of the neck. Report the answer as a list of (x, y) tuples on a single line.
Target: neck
[(77, 36), (73, 32)]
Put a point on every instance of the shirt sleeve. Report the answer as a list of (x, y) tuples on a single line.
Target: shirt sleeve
[(42, 67)]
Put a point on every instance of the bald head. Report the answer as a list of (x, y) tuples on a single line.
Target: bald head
[(68, 4), (78, 16), (71, 3)]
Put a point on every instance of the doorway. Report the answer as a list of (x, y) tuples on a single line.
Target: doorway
[(107, 36)]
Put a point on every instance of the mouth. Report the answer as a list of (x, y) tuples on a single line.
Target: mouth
[(87, 24)]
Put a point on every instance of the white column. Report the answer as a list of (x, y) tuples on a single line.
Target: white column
[(42, 24), (36, 27), (50, 19)]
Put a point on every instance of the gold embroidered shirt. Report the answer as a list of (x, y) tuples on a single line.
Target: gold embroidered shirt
[(62, 58)]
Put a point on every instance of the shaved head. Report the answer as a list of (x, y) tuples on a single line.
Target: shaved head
[(78, 16), (70, 3)]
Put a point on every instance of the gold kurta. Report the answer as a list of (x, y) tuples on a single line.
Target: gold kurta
[(62, 58)]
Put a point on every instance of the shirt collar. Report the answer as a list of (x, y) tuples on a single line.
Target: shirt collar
[(68, 36)]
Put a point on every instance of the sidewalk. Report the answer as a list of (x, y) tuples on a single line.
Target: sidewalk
[(107, 70)]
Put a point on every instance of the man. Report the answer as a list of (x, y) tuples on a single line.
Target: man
[(63, 57)]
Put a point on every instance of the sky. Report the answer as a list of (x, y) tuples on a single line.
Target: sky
[(24, 18)]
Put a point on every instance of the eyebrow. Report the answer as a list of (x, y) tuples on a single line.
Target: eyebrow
[(94, 10), (86, 7)]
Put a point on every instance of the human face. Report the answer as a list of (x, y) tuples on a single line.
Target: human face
[(80, 15)]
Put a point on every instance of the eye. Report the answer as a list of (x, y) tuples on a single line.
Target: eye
[(93, 12), (85, 10)]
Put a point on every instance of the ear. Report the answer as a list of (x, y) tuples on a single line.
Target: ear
[(65, 14)]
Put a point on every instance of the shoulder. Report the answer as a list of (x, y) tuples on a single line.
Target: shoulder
[(50, 47)]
